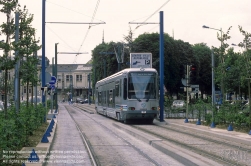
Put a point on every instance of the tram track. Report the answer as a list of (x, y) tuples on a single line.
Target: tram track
[(186, 159), (85, 140), (212, 148), (109, 130)]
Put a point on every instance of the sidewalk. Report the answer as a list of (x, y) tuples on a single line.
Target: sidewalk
[(221, 133), (180, 122), (67, 146)]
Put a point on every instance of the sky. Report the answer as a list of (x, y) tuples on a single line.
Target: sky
[(183, 19)]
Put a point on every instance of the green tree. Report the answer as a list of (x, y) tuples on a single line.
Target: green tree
[(220, 53), (7, 29), (27, 48), (203, 54)]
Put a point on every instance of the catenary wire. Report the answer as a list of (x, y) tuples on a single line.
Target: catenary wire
[(151, 15), (94, 13)]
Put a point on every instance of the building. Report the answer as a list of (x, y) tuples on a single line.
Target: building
[(71, 80)]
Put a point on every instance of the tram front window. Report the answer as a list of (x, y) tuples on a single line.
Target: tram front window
[(142, 85)]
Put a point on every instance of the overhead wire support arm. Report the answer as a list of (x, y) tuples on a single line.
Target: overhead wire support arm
[(73, 53), (143, 23), (76, 23)]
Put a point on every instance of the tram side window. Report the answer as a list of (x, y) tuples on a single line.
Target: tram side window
[(117, 90), (99, 98), (111, 98), (125, 88), (103, 97), (107, 99)]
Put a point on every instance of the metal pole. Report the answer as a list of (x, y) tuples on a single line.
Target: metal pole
[(187, 94), (51, 101), (213, 91), (43, 48), (53, 74), (249, 100), (16, 83), (56, 75), (161, 38), (36, 85), (222, 81), (89, 82)]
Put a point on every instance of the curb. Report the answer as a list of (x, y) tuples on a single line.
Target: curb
[(42, 149), (220, 133)]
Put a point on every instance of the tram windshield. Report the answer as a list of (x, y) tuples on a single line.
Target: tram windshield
[(142, 85)]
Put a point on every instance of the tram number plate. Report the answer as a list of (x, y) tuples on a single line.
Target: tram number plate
[(143, 112)]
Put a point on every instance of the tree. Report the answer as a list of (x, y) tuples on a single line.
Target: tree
[(7, 29), (27, 48), (203, 54), (221, 54)]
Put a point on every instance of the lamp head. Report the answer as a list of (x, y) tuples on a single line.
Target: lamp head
[(204, 26)]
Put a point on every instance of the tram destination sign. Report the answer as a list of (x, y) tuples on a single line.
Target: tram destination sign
[(140, 60)]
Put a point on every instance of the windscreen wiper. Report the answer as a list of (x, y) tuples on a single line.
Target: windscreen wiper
[(138, 99)]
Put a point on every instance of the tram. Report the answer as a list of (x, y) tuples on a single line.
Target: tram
[(131, 94)]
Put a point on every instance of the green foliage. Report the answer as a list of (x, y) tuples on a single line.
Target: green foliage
[(15, 129)]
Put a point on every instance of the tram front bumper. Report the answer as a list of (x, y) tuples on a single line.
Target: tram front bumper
[(140, 114)]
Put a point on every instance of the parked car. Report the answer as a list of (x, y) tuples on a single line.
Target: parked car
[(179, 105), (80, 100), (86, 101)]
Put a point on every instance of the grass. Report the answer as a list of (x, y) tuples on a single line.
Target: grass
[(33, 140), (37, 135)]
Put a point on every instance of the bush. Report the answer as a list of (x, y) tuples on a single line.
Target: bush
[(17, 127)]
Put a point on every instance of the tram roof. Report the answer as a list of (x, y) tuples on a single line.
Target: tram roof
[(126, 71)]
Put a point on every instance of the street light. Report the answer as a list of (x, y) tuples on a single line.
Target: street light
[(213, 84), (222, 85)]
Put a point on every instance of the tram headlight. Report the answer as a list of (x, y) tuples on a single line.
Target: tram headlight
[(132, 108)]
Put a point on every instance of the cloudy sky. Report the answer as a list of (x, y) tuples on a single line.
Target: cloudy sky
[(183, 19)]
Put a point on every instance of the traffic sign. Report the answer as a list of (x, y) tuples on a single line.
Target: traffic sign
[(139, 60), (53, 79), (52, 83), (53, 87)]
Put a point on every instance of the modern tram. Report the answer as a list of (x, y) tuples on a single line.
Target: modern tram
[(131, 94)]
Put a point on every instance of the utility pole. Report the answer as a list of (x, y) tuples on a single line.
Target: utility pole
[(43, 40), (161, 65), (55, 74), (17, 65), (187, 96)]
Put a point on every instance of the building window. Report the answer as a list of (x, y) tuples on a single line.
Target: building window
[(68, 78), (59, 78), (24, 89), (29, 90), (79, 78)]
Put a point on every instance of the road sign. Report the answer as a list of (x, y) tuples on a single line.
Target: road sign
[(195, 86), (138, 60), (53, 79), (52, 83), (53, 87), (184, 82)]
